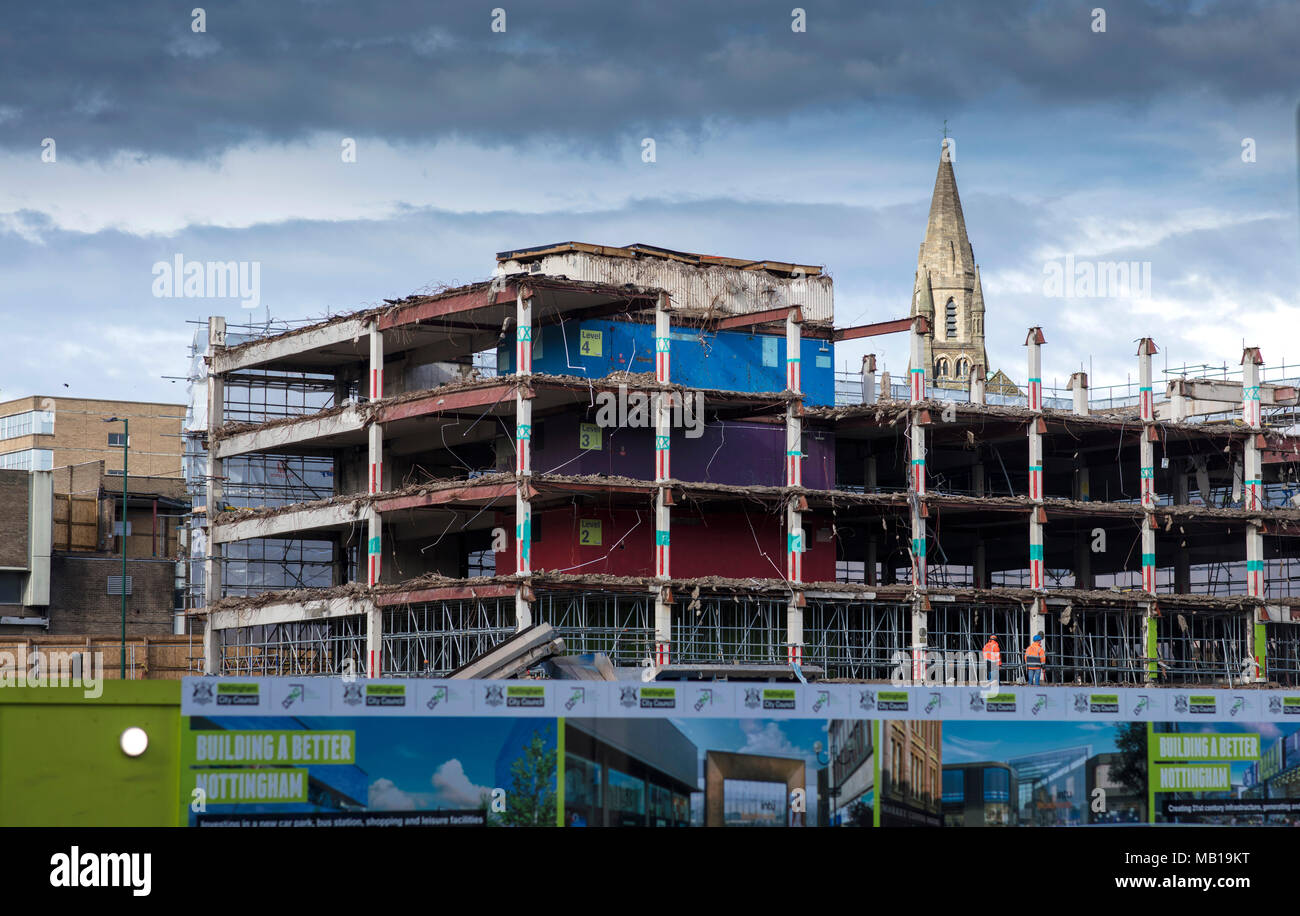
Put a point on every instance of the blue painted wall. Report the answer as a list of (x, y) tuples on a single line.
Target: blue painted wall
[(728, 360)]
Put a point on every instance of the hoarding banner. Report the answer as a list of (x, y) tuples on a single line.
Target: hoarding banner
[(325, 696)]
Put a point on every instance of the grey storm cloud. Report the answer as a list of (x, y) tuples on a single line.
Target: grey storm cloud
[(102, 78)]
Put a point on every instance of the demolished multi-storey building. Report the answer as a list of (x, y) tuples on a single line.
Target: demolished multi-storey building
[(663, 465)]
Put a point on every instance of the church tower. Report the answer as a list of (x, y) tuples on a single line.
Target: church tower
[(947, 288)]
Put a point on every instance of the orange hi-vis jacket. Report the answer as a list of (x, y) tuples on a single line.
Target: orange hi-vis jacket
[(992, 652), (1035, 655)]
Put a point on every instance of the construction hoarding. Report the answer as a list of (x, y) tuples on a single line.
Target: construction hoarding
[(325, 752)]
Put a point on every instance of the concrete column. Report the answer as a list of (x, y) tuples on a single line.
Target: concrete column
[(1150, 642), (40, 537), (663, 520), (212, 569), (376, 438), (916, 493), (1082, 491), (1037, 618), (1083, 561), (1251, 360), (869, 394), (1034, 341), (1079, 392), (374, 642), (1146, 402), (1252, 479), (1182, 560), (981, 570), (1177, 400), (795, 542), (870, 559), (977, 384), (374, 523), (524, 459)]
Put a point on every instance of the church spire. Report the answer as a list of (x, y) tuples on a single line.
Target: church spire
[(946, 248), (947, 282)]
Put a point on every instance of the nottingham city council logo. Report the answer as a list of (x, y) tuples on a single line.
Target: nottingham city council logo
[(352, 694), (493, 696), (202, 694)]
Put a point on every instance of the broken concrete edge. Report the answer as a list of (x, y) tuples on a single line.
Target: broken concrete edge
[(687, 590), (889, 408), (611, 383), (828, 498), (446, 292)]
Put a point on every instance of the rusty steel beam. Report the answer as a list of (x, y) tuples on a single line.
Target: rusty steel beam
[(874, 330), (469, 493), (461, 303), (438, 403), (751, 319)]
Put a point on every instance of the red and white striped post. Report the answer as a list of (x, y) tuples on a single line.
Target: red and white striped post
[(1252, 476), (524, 457), (917, 490), (663, 513), (1147, 463), (795, 540), (1034, 341), (374, 523)]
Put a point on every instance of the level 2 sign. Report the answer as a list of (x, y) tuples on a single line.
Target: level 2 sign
[(589, 532)]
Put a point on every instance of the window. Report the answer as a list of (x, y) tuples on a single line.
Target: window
[(950, 319), (481, 563), (997, 784), (963, 367), (117, 440), (11, 587), (31, 459), (28, 423), (954, 789), (941, 367)]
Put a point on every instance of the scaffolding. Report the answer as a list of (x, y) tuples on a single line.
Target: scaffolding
[(297, 649)]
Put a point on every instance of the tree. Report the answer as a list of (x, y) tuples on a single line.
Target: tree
[(1131, 773), (531, 800)]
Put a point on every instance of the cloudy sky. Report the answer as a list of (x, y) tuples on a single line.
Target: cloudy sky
[(818, 146)]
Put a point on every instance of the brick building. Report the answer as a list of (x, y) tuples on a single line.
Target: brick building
[(40, 433), (60, 552)]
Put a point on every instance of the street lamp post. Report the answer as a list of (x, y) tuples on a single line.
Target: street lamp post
[(832, 790), (126, 444)]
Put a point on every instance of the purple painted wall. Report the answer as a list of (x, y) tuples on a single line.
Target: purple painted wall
[(741, 454)]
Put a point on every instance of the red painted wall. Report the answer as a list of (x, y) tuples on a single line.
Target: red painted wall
[(725, 546)]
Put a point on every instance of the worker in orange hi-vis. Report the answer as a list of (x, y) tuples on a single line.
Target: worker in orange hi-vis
[(1035, 659), (993, 658)]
